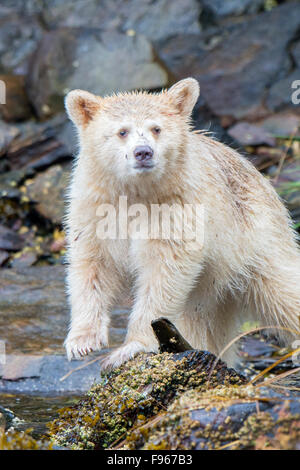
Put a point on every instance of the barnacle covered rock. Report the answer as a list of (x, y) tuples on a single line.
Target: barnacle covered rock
[(136, 392)]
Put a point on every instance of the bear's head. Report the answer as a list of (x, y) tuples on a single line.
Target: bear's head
[(134, 136)]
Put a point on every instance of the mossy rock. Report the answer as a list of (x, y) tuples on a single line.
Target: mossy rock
[(22, 440), (139, 390), (228, 417)]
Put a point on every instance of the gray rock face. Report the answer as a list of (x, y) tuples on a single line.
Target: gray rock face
[(33, 323), (16, 107), (223, 9), (48, 191), (280, 94), (237, 65), (295, 50), (33, 309), (155, 20), (9, 240), (19, 37), (84, 58)]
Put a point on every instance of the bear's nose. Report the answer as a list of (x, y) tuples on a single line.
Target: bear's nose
[(143, 152)]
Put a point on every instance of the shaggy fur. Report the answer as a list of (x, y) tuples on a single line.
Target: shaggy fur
[(247, 268)]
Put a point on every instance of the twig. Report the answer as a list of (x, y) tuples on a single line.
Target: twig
[(237, 338), (265, 371), (80, 367), (278, 377)]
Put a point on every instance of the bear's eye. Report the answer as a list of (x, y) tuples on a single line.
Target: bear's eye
[(156, 130), (123, 133)]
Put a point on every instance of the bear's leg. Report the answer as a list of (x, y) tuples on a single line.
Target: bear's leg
[(166, 275), (92, 291)]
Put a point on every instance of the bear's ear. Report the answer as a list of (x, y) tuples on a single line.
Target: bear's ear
[(184, 95), (81, 106)]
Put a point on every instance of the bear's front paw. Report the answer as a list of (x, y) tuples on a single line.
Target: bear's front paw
[(81, 343), (123, 354)]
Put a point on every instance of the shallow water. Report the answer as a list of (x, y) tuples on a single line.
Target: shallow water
[(33, 321), (33, 412)]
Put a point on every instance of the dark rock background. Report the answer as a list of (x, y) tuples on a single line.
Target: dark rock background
[(245, 54)]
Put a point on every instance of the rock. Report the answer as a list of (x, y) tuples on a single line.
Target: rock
[(29, 7), (47, 189), (47, 374), (16, 107), (280, 94), (249, 134), (221, 9), (20, 367), (34, 312), (14, 178), (10, 240), (135, 393), (38, 145), (7, 135), (120, 62), (255, 347), (295, 51), (24, 259), (19, 36), (22, 440), (155, 20), (236, 64), (4, 255), (288, 186), (281, 124), (233, 418), (33, 309)]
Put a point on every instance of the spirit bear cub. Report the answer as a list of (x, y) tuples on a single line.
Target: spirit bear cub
[(142, 146)]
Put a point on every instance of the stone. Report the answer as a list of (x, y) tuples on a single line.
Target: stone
[(134, 392), (33, 309), (24, 259), (20, 366), (34, 315), (281, 124), (29, 7), (7, 134), (280, 94), (155, 20), (114, 61), (295, 51), (221, 9), (10, 240), (47, 190), (249, 134), (4, 255), (38, 145), (17, 106), (19, 36), (236, 64)]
